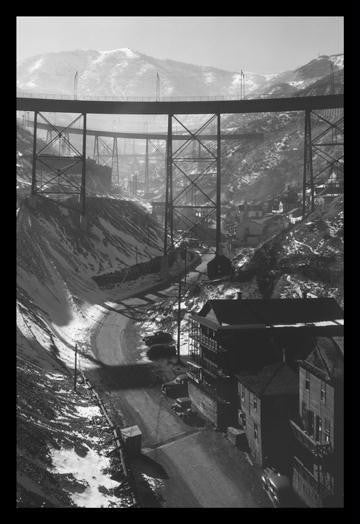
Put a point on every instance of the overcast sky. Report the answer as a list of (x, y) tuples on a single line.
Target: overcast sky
[(256, 44)]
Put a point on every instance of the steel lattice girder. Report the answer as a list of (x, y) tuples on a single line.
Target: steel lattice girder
[(333, 157), (60, 174), (314, 147), (181, 180)]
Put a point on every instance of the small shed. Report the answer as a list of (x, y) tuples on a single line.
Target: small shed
[(219, 266), (132, 437)]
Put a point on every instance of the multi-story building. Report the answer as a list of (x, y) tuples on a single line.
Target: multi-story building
[(318, 474), (267, 400), (228, 337)]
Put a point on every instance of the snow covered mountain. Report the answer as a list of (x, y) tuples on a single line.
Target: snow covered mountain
[(126, 73)]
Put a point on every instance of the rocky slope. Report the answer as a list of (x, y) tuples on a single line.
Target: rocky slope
[(62, 438), (308, 257)]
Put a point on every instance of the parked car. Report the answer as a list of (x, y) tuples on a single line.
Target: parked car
[(177, 387), (182, 406), (159, 337), (277, 487)]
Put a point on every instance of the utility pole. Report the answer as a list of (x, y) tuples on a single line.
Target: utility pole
[(75, 85), (75, 373), (179, 322), (157, 87)]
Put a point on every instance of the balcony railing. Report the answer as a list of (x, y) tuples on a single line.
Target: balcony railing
[(195, 357), (310, 479), (210, 369), (208, 366), (209, 343), (316, 448), (206, 387)]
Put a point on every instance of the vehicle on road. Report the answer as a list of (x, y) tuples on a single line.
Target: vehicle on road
[(182, 407), (159, 337), (277, 487), (177, 387)]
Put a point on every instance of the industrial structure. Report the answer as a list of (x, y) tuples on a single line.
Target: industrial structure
[(214, 108)]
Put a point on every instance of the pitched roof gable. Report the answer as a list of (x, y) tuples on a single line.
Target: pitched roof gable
[(328, 357), (273, 311), (276, 379)]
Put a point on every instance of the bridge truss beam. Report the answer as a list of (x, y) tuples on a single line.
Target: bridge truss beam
[(63, 173), (192, 198), (326, 147)]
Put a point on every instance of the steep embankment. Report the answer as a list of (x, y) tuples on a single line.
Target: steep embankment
[(306, 257), (62, 438)]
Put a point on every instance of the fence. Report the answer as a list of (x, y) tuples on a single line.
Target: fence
[(118, 441)]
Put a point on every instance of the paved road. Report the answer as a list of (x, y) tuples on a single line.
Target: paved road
[(190, 466)]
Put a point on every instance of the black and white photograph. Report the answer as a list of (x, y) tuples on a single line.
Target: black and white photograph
[(180, 262)]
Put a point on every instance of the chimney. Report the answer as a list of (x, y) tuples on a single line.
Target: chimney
[(239, 295)]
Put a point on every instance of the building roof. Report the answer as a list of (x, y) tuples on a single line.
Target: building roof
[(276, 379), (327, 357), (283, 312)]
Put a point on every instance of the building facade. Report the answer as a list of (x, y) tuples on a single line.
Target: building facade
[(318, 430), (267, 400), (228, 337)]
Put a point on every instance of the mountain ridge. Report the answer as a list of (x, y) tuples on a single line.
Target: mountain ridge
[(124, 72)]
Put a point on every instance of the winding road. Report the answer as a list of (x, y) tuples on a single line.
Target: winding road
[(190, 466)]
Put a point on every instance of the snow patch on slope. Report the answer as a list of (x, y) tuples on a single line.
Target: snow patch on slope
[(89, 471)]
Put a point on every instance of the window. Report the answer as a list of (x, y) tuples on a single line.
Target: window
[(318, 428), (255, 403), (255, 431), (310, 422), (327, 430), (307, 380), (323, 392)]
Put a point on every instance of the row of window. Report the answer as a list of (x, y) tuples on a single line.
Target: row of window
[(317, 427), (322, 387), (252, 399)]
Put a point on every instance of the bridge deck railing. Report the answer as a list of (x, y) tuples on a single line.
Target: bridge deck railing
[(55, 96)]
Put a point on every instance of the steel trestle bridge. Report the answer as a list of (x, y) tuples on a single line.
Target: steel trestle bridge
[(174, 110)]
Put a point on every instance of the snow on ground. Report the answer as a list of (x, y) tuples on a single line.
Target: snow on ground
[(337, 60), (292, 286), (88, 411), (209, 77), (88, 471)]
